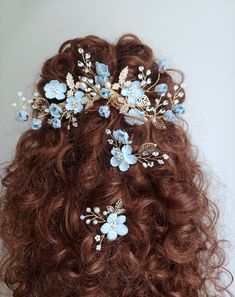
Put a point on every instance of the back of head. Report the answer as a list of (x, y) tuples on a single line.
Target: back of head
[(171, 248)]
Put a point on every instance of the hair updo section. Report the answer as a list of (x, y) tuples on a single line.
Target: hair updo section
[(172, 248)]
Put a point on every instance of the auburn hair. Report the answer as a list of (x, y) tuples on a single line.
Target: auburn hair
[(172, 248)]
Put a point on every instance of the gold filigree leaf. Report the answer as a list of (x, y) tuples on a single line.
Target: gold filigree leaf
[(146, 149), (159, 123), (143, 101)]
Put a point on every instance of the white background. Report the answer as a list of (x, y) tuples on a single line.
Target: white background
[(197, 37)]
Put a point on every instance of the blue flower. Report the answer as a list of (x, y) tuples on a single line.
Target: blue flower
[(104, 111), (36, 124), (178, 109), (135, 117), (114, 226), (161, 89), (122, 157), (74, 102), (102, 72), (55, 89), (162, 64), (55, 122), (121, 136), (55, 110), (133, 92), (104, 93), (169, 116), (22, 116)]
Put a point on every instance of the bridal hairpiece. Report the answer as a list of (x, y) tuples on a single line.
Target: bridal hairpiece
[(123, 157), (111, 219), (131, 98)]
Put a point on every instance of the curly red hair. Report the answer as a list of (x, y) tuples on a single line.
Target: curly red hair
[(172, 248)]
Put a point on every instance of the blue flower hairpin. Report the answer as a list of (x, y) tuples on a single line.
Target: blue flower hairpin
[(123, 157), (131, 98), (111, 220)]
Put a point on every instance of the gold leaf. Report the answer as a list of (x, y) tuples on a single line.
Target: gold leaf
[(146, 149), (123, 75), (159, 123), (70, 81)]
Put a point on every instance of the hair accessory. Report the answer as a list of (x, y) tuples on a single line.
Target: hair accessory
[(122, 156), (111, 220), (131, 98)]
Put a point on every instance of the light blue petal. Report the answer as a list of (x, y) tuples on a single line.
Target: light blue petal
[(60, 96), (178, 109), (68, 106), (112, 235), (131, 99), (161, 89), (124, 92), (136, 117), (121, 219), (124, 166), (79, 95), (126, 149), (114, 162), (49, 94), (112, 218), (136, 84), (115, 150), (139, 93), (169, 116), (79, 108), (131, 159), (122, 229), (105, 228), (63, 87), (69, 100)]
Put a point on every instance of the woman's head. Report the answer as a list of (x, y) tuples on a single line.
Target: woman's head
[(171, 248)]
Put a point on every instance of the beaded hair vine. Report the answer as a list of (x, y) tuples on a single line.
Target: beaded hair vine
[(131, 98), (111, 219)]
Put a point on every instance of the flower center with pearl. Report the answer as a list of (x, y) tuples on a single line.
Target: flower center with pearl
[(55, 90), (119, 156)]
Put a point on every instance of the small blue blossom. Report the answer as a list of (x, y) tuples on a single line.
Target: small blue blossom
[(122, 157), (22, 116), (161, 89), (55, 110), (178, 109), (102, 72), (135, 117), (121, 136), (36, 124), (114, 226), (169, 116), (162, 64), (55, 89), (74, 102), (105, 93), (133, 92), (55, 122), (104, 111)]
